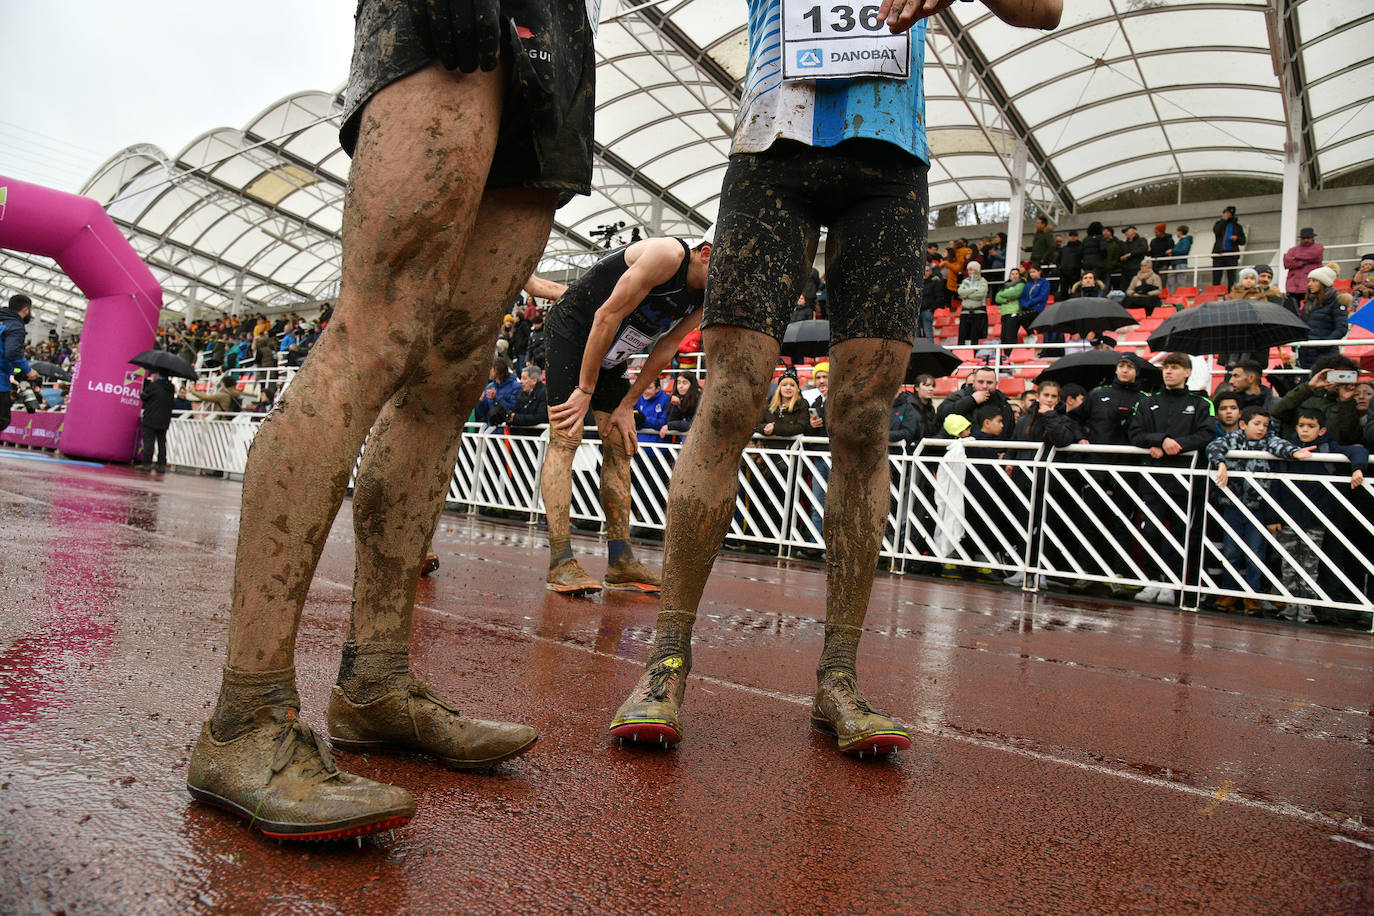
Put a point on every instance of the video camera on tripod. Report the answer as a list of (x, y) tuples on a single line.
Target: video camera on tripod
[(607, 232)]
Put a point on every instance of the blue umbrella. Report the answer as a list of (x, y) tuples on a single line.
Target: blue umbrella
[(1364, 318)]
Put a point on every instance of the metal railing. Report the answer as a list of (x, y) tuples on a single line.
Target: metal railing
[(1102, 514)]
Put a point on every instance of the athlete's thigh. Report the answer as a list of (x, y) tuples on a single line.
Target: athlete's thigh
[(875, 255), (765, 241)]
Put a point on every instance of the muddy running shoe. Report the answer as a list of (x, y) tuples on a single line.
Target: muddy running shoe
[(281, 778), (841, 710), (431, 563), (632, 575), (570, 579), (416, 719), (651, 714)]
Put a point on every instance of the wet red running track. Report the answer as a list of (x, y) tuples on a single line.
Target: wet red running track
[(1067, 755)]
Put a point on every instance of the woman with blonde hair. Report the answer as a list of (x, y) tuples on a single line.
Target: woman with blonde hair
[(786, 413)]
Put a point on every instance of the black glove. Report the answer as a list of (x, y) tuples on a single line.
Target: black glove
[(464, 34)]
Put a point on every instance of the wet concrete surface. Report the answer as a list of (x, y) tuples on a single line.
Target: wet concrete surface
[(1067, 755)]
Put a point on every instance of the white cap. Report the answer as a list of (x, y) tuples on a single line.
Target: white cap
[(706, 238)]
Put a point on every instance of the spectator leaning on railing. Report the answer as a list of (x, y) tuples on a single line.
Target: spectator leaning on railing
[(1171, 423), (1310, 502), (1253, 436)]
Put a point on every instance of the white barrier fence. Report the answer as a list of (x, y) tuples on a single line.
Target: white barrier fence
[(1096, 514)]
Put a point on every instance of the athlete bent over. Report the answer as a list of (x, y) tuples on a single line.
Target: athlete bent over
[(849, 152), (466, 125), (646, 292)]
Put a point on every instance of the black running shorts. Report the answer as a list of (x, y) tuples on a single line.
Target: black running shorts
[(546, 122), (872, 197), (565, 369)]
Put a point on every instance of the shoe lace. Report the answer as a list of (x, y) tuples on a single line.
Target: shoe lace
[(298, 733), (846, 688), (419, 690), (658, 682)]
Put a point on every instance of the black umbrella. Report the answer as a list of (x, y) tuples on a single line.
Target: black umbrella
[(50, 370), (1093, 367), (1084, 315), (166, 363), (1228, 326), (929, 358), (806, 338)]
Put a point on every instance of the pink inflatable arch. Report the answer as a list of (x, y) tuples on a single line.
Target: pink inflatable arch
[(121, 318)]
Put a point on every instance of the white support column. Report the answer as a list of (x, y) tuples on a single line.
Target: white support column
[(1016, 219), (1292, 186), (192, 303), (237, 308)]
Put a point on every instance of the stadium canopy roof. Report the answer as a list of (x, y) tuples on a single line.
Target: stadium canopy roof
[(1123, 93)]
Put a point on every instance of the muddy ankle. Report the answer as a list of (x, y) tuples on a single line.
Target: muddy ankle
[(560, 551), (242, 693), (840, 650), (371, 670), (673, 637)]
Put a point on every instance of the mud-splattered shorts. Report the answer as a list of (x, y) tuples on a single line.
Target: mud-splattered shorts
[(870, 195), (565, 370), (545, 139)]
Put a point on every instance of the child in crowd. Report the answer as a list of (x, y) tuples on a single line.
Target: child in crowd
[(1228, 413), (1307, 503), (1252, 436), (949, 487)]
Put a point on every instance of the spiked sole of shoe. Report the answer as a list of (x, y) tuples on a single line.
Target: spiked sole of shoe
[(644, 587), (453, 763), (647, 731), (575, 589), (875, 744), (338, 830), (431, 564)]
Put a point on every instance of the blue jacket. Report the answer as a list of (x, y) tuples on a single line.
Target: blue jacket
[(655, 411), (506, 393), (12, 337), (1035, 296)]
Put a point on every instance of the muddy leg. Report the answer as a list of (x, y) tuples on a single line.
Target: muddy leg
[(864, 378), (421, 164), (400, 487), (701, 496)]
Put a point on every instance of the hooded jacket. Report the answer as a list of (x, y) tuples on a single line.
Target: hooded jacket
[(12, 338)]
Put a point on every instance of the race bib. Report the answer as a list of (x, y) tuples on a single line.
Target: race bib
[(823, 39), (594, 14), (630, 342)]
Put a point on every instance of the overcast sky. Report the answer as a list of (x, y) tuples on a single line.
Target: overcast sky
[(84, 79)]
